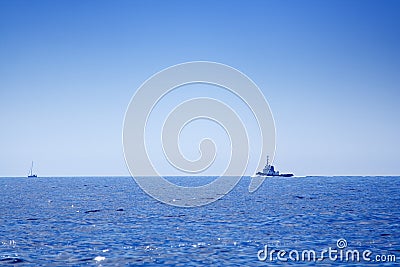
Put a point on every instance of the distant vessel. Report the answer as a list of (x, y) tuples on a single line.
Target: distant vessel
[(30, 174), (269, 170)]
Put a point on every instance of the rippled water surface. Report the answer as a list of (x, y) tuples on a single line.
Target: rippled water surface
[(109, 221)]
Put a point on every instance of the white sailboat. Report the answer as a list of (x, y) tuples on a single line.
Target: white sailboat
[(30, 174)]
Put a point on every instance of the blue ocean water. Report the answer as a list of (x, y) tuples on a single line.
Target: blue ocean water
[(110, 221)]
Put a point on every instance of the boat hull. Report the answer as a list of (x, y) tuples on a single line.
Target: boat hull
[(275, 175)]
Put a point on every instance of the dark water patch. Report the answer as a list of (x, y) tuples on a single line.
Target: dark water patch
[(85, 259), (169, 216), (12, 260), (92, 211)]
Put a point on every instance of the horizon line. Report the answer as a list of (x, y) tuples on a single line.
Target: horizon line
[(130, 176)]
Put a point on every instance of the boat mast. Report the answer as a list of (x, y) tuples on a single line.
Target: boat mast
[(31, 168)]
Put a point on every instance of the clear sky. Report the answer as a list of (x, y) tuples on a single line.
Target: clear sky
[(330, 71)]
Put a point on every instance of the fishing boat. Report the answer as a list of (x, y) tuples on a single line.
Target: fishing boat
[(30, 174), (269, 170)]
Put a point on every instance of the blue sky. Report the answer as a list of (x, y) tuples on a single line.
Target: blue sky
[(329, 70)]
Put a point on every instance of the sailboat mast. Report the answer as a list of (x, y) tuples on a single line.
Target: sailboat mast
[(31, 167)]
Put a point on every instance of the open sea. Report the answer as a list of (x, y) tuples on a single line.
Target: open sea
[(110, 221)]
